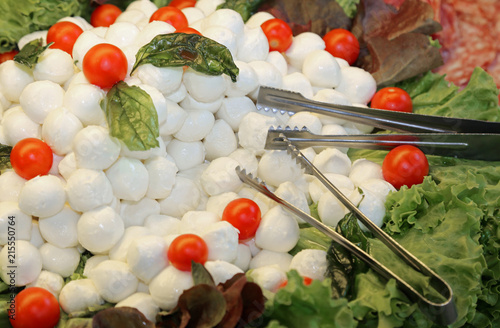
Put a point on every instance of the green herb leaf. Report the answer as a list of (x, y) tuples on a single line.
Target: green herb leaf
[(245, 8), (201, 275), (5, 157), (179, 49), (123, 317), (30, 53), (132, 116)]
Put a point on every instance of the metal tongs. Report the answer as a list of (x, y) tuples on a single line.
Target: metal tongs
[(437, 135), (443, 313)]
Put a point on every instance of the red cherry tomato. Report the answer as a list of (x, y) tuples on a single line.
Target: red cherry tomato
[(278, 33), (392, 98), (31, 157), (64, 35), (172, 15), (342, 44), (104, 15), (9, 55), (188, 30), (35, 307), (244, 215), (405, 165), (186, 248), (181, 4), (104, 65)]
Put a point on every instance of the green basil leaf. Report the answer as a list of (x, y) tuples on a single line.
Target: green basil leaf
[(201, 275), (5, 157), (132, 116), (30, 53), (245, 8), (179, 49)]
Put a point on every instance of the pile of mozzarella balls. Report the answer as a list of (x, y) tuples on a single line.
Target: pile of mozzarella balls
[(125, 207)]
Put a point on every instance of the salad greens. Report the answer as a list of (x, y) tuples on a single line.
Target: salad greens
[(5, 157)]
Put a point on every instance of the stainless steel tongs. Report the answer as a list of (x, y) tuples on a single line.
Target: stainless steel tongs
[(443, 313)]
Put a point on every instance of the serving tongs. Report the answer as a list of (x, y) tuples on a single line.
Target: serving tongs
[(443, 313)]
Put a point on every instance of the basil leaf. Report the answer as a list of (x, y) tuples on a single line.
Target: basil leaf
[(201, 275), (132, 116), (30, 53), (245, 8), (5, 157), (179, 49)]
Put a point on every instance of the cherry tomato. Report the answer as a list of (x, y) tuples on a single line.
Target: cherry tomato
[(35, 307), (181, 4), (104, 65), (172, 15), (104, 15), (405, 165), (64, 35), (188, 30), (392, 98), (278, 33), (186, 248), (31, 157), (244, 215), (342, 44), (9, 55)]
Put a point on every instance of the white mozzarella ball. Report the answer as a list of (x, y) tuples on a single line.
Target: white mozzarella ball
[(222, 241), (277, 166), (129, 178), (186, 154), (67, 165), (377, 187), (133, 213), (196, 126), (193, 15), (168, 285), (254, 249), (59, 129), (162, 225), (208, 6), (278, 231), (159, 101), (197, 222), (42, 196), (330, 209), (266, 258), (146, 257), (63, 261), (334, 129), (143, 302), (151, 30), (322, 69), (358, 85), (60, 229), (10, 186), (227, 18), (331, 96), (189, 103), (28, 261), (363, 169), (252, 132), (371, 205), (267, 74), (292, 194), (133, 16), (310, 263), (221, 271), (14, 77), (224, 36), (246, 159), (37, 35), (79, 21), (113, 280), (83, 100), (21, 222), (279, 61), (342, 62), (185, 196), (204, 87), (54, 65), (220, 141), (178, 94), (317, 189), (162, 172), (298, 82), (332, 160), (144, 154), (269, 277), (306, 119), (246, 81), (100, 229), (92, 262), (234, 109), (146, 7), (258, 18), (94, 148), (220, 176), (79, 295), (176, 117), (165, 79), (36, 238), (39, 98), (216, 204), (253, 46), (302, 45), (17, 126), (121, 34), (88, 189), (119, 251), (85, 41), (243, 257), (51, 281)]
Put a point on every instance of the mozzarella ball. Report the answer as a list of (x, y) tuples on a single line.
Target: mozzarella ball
[(42, 196), (267, 258), (133, 16), (185, 196), (302, 45), (208, 6), (278, 231), (159, 101), (37, 35), (194, 15), (59, 129), (298, 82), (292, 194), (141, 301), (83, 100), (371, 205), (100, 229), (216, 204), (176, 116), (196, 126), (143, 154), (14, 77), (253, 46), (322, 69), (113, 280), (28, 263), (17, 126), (330, 209), (79, 295), (243, 257), (146, 7), (334, 129), (363, 169), (246, 160), (39, 98), (234, 109), (204, 87), (220, 176), (67, 165), (252, 131), (10, 186), (331, 96), (20, 221), (162, 172), (165, 79), (92, 262), (50, 281), (307, 120), (267, 74), (246, 81), (129, 178), (133, 213), (146, 257), (189, 103), (276, 58), (121, 34), (222, 241), (227, 18), (36, 238), (88, 189), (60, 229), (378, 187), (54, 65), (151, 30), (168, 285), (221, 271), (119, 251), (63, 261), (317, 189), (94, 148), (85, 41), (224, 36), (277, 166), (269, 277), (357, 84), (162, 225), (332, 160), (310, 263), (220, 142), (197, 222), (186, 154)]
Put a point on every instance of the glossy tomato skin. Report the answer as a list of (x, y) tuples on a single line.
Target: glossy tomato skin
[(35, 307), (343, 44), (392, 98), (243, 214), (172, 15), (9, 55), (31, 157), (104, 65), (188, 30), (405, 165), (278, 33), (64, 35), (104, 15), (181, 4), (186, 248)]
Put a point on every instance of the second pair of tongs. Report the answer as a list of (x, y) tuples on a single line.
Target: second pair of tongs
[(443, 313)]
